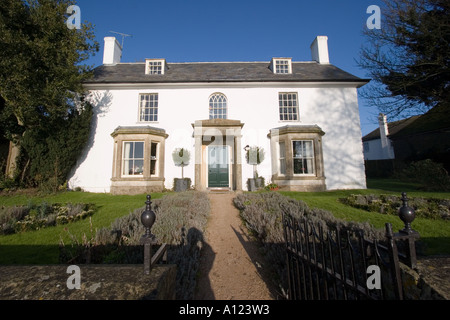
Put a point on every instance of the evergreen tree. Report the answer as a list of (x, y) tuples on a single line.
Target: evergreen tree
[(409, 57), (41, 78)]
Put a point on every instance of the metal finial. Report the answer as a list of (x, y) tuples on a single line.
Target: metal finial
[(148, 218), (406, 214)]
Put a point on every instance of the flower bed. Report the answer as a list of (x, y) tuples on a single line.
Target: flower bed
[(429, 208), (34, 217)]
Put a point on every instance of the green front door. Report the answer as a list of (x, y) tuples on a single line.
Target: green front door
[(218, 167)]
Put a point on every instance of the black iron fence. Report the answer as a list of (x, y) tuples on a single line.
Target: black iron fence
[(334, 263)]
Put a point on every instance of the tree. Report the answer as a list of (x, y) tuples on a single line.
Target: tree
[(254, 156), (181, 157), (41, 78), (408, 58)]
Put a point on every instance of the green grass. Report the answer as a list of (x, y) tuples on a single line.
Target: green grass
[(435, 234), (41, 246)]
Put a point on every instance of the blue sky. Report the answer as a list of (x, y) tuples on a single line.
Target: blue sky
[(243, 30)]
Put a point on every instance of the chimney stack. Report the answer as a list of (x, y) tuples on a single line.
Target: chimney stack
[(386, 147), (319, 50), (112, 52)]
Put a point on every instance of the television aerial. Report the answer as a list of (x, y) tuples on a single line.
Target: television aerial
[(123, 35)]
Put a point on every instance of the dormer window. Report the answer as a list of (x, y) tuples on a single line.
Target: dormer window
[(155, 66), (281, 65)]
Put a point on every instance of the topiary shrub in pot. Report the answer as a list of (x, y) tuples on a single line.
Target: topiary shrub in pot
[(181, 157), (254, 156)]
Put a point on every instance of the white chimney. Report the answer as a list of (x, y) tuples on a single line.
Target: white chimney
[(319, 50), (386, 147), (112, 53)]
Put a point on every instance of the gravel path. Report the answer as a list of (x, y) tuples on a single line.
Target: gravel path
[(231, 264)]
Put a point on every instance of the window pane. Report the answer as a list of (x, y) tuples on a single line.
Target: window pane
[(153, 150), (139, 150), (297, 146), (138, 168), (129, 150), (308, 149), (153, 167), (309, 166), (282, 146), (298, 166), (282, 166), (128, 167)]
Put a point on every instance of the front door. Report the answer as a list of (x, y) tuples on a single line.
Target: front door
[(218, 167)]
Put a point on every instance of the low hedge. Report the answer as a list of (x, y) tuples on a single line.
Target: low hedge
[(180, 222), (262, 215)]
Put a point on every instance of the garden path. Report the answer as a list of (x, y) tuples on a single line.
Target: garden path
[(231, 266)]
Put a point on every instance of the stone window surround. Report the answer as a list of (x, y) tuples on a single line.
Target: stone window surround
[(291, 181), (140, 183)]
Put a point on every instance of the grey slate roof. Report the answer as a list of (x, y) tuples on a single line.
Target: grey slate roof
[(221, 72)]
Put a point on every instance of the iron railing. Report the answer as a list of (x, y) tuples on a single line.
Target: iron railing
[(334, 263)]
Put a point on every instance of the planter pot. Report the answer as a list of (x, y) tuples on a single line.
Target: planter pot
[(181, 185), (255, 184)]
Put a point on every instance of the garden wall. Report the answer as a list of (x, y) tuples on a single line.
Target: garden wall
[(429, 281), (97, 282)]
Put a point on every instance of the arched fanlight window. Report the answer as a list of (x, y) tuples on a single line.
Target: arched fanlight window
[(218, 106)]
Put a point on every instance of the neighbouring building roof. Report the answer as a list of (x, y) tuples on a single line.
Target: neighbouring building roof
[(393, 128), (221, 72)]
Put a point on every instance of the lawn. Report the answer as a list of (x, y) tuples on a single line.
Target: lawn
[(435, 234), (41, 246)]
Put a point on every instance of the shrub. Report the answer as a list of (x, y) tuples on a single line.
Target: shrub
[(431, 175), (9, 217), (180, 222), (262, 214)]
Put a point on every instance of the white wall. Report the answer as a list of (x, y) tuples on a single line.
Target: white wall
[(377, 152), (335, 110)]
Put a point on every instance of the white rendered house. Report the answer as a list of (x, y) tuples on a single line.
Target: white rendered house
[(303, 114)]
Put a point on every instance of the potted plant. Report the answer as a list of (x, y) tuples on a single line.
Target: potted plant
[(181, 157), (272, 187), (254, 156)]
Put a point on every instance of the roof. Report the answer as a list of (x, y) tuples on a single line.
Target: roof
[(196, 72), (393, 128), (435, 120)]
